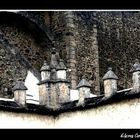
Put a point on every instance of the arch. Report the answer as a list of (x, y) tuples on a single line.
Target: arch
[(40, 24), (21, 22), (32, 25)]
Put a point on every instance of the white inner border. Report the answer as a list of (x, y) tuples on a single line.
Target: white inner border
[(71, 10)]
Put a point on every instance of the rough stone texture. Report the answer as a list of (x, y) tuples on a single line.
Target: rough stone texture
[(110, 87), (27, 40), (43, 93), (64, 92), (136, 81), (57, 28), (83, 83), (10, 71), (96, 39), (118, 40), (68, 33), (84, 92), (70, 47), (26, 44), (54, 96), (20, 97), (81, 100), (87, 48), (16, 96)]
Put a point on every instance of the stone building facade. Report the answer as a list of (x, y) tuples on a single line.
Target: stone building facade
[(87, 41)]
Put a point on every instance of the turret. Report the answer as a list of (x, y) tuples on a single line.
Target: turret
[(84, 90), (136, 76), (110, 83), (62, 84), (20, 93), (45, 71), (61, 70)]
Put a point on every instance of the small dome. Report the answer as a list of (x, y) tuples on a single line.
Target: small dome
[(61, 65), (84, 83), (45, 67), (110, 75), (136, 66), (19, 86)]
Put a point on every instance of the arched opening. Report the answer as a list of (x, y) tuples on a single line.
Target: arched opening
[(21, 40)]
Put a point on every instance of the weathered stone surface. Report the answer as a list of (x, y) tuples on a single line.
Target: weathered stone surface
[(10, 71), (118, 40), (136, 81), (110, 75), (20, 97), (110, 87), (95, 37), (16, 96), (25, 43), (45, 71), (19, 86), (29, 45), (54, 96), (61, 65), (64, 95), (87, 60), (84, 83), (43, 92), (84, 92)]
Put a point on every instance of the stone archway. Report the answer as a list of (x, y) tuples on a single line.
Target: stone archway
[(24, 46)]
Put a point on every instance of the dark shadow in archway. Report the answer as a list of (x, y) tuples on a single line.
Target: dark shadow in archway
[(9, 19)]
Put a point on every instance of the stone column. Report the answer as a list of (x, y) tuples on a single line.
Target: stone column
[(84, 91), (44, 84), (44, 87), (136, 76), (94, 46), (20, 93), (110, 83), (45, 71), (136, 81), (53, 100), (70, 47), (47, 86), (62, 84)]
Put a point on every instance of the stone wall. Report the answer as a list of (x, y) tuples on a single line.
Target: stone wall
[(23, 38), (26, 43), (118, 39), (10, 71), (57, 26), (86, 50), (113, 36), (116, 32)]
